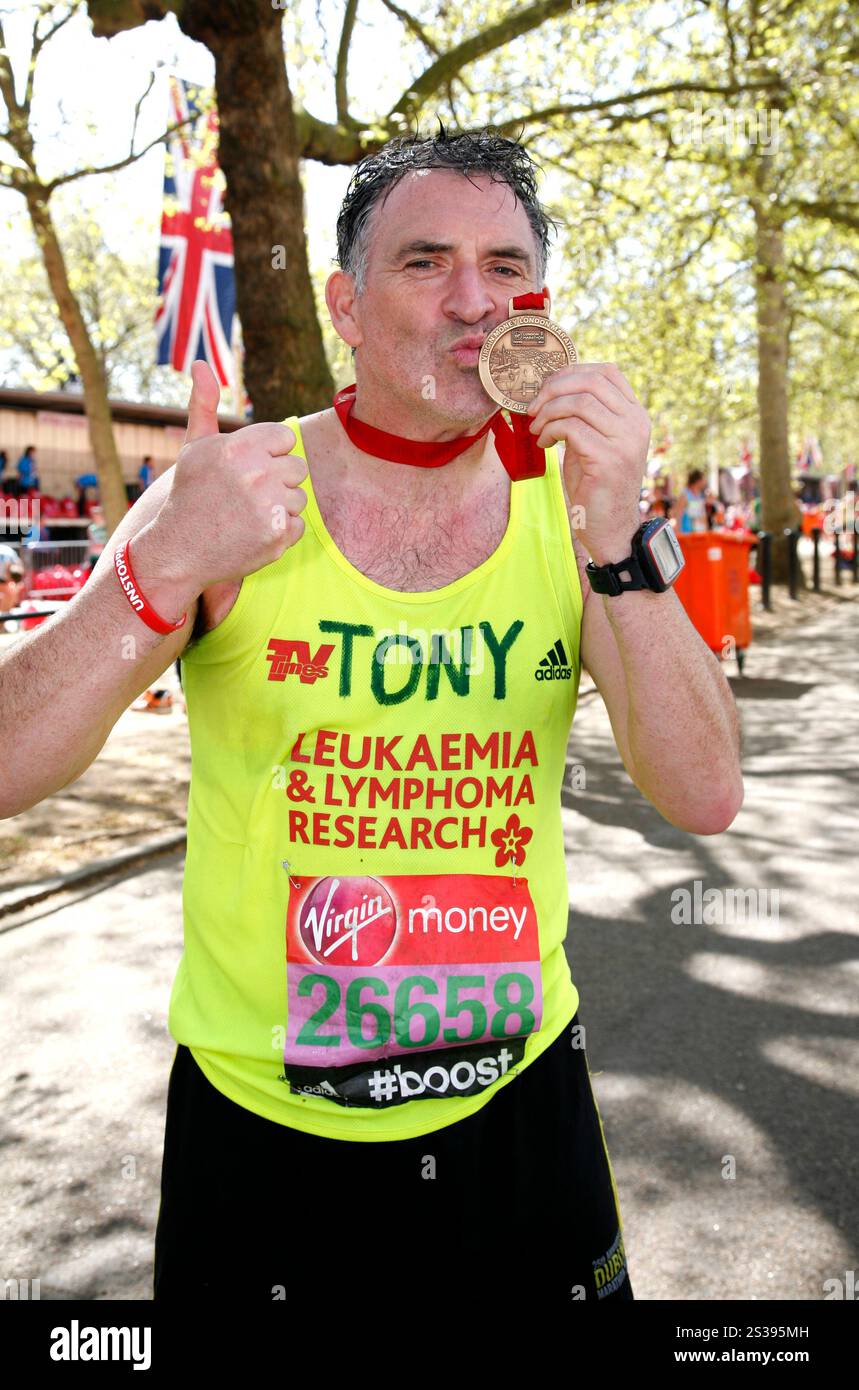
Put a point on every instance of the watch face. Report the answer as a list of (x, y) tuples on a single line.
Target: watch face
[(666, 554)]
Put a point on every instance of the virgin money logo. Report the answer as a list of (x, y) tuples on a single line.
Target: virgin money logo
[(349, 921)]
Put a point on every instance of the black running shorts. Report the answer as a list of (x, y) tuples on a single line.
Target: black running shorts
[(514, 1202)]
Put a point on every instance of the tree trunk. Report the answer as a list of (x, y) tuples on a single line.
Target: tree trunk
[(286, 370), (778, 507), (114, 499)]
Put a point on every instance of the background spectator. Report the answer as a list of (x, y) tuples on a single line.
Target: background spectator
[(692, 504), (27, 475), (87, 485), (660, 499), (146, 473), (96, 535), (729, 487), (11, 579), (715, 509)]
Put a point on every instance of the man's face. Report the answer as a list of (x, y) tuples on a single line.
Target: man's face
[(445, 256), (11, 589)]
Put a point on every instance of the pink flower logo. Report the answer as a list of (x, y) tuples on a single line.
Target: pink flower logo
[(510, 842)]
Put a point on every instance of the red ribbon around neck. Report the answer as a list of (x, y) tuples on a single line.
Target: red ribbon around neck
[(517, 447)]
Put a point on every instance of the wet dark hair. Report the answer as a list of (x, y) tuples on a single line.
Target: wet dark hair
[(471, 152)]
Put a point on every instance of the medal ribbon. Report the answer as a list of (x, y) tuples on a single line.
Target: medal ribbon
[(517, 447)]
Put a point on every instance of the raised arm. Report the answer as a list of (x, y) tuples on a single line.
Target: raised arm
[(670, 706), (66, 683), (227, 507)]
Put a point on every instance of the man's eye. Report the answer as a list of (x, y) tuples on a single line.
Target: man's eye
[(411, 264)]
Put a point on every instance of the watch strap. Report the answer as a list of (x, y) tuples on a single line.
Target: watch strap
[(608, 579)]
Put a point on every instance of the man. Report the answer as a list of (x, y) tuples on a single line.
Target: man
[(692, 504), (27, 475), (380, 1085), (96, 534), (145, 473), (11, 583)]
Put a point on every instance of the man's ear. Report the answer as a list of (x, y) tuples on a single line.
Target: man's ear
[(342, 301)]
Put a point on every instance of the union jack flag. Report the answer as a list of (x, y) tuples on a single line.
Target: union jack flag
[(196, 284)]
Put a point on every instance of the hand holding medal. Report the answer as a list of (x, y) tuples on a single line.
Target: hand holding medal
[(522, 351), (589, 407)]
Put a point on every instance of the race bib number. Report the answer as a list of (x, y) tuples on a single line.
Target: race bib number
[(404, 987)]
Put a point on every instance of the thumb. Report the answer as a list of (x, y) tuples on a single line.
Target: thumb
[(203, 402)]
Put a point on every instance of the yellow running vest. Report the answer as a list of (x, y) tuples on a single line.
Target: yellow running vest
[(375, 894)]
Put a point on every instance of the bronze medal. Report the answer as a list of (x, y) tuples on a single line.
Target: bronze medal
[(520, 353)]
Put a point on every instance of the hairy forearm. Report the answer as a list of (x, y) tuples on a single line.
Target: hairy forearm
[(682, 732), (66, 683)]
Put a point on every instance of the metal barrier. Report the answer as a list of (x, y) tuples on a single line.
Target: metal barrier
[(44, 555), (792, 540), (765, 567)]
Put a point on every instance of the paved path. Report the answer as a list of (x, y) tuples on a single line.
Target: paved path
[(740, 1039), (707, 1042), (86, 1055)]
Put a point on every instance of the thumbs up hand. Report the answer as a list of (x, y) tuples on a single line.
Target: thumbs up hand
[(203, 404), (234, 500)]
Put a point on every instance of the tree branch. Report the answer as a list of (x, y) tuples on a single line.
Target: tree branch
[(18, 135), (684, 261), (433, 78), (334, 144), (137, 106), (729, 34), (413, 25), (340, 88), (828, 326), (37, 43), (120, 163), (842, 214), (813, 273), (593, 184), (605, 103), (7, 81)]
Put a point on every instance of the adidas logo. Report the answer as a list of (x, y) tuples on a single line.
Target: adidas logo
[(554, 665)]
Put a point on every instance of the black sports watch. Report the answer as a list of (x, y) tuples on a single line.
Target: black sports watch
[(655, 562)]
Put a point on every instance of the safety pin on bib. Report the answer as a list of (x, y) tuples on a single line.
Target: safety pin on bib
[(285, 863), (513, 857)]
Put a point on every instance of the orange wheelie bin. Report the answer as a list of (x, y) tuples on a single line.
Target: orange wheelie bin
[(713, 587), (813, 519)]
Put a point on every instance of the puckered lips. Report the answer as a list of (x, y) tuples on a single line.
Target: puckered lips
[(467, 350)]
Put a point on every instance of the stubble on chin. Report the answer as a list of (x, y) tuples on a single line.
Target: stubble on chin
[(458, 393)]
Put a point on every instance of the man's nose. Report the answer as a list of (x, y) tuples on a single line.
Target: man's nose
[(468, 297)]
